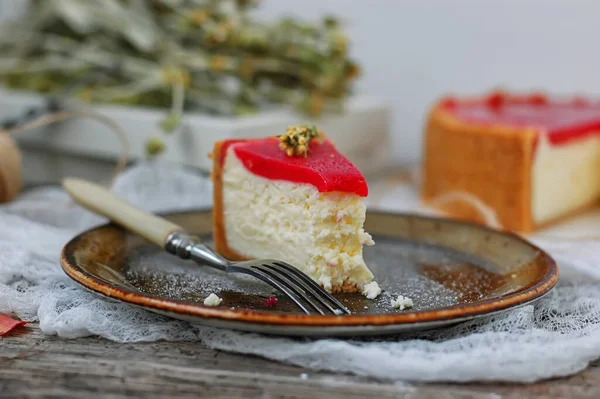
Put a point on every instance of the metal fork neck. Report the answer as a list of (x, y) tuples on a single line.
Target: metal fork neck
[(187, 246)]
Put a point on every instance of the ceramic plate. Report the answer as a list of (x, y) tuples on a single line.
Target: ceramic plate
[(453, 271)]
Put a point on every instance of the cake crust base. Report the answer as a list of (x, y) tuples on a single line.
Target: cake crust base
[(219, 233)]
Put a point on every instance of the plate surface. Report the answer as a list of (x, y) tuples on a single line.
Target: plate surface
[(453, 271)]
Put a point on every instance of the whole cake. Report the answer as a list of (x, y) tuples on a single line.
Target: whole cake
[(296, 199), (531, 159)]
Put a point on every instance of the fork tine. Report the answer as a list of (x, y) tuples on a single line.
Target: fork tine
[(269, 280), (289, 283), (300, 282), (313, 284)]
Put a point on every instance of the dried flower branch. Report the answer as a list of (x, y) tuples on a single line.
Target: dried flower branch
[(205, 56)]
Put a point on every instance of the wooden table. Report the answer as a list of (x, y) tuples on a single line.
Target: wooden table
[(33, 365)]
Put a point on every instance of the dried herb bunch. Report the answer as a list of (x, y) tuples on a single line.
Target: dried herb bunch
[(206, 56)]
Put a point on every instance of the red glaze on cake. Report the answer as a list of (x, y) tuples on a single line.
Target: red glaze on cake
[(323, 167), (561, 121)]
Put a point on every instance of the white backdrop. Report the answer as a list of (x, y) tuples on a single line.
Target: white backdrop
[(414, 50)]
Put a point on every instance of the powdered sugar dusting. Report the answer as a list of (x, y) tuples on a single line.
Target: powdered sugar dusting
[(158, 273), (395, 266)]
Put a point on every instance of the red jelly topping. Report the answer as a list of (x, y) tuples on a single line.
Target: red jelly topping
[(324, 167), (561, 121)]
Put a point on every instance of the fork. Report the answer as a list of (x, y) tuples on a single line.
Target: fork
[(309, 296)]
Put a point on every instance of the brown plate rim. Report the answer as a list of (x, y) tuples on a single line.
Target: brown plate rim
[(535, 291)]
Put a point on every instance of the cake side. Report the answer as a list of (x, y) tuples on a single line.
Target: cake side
[(492, 163)]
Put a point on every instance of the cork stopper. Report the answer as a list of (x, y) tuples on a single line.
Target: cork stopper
[(10, 168)]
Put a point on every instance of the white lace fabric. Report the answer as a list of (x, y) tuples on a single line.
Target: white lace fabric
[(557, 336)]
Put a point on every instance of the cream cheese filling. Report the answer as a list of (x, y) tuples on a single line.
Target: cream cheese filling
[(320, 233), (564, 177)]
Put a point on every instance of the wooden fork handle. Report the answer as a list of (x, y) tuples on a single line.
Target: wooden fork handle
[(103, 202)]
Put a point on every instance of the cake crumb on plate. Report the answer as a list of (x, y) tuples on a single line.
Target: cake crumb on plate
[(402, 302), (371, 290), (212, 300)]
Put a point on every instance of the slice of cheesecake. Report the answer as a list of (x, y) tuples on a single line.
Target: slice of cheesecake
[(303, 204), (531, 159)]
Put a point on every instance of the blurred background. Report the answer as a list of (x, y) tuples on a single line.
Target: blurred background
[(409, 52), (414, 51)]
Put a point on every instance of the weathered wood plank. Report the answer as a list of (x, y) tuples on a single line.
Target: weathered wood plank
[(34, 365)]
